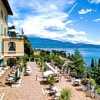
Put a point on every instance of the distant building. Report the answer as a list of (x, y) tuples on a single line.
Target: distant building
[(10, 46)]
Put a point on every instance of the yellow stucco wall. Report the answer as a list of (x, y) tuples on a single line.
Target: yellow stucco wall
[(3, 25), (19, 47), (3, 21)]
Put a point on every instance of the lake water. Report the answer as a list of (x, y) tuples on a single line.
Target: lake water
[(87, 53)]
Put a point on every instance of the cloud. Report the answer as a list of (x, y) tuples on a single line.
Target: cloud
[(85, 11), (94, 1), (41, 5), (48, 19), (52, 10), (52, 28), (97, 20)]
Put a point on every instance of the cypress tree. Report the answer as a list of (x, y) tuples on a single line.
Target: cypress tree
[(92, 63), (99, 62)]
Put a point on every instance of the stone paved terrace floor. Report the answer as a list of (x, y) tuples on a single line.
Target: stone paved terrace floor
[(75, 93), (3, 77), (32, 90)]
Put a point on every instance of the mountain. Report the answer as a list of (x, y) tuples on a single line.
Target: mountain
[(47, 43)]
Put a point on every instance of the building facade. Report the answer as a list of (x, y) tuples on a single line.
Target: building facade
[(10, 47)]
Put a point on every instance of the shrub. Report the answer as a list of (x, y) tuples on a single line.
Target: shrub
[(92, 82), (65, 94), (98, 90)]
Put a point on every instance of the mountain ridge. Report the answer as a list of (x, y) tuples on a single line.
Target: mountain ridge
[(38, 42)]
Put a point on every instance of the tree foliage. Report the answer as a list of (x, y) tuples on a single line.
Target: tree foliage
[(78, 63), (27, 47), (95, 70)]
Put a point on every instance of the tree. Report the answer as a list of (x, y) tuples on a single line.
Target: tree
[(78, 63), (27, 47), (93, 68), (99, 63), (95, 71), (92, 63), (58, 62), (45, 55)]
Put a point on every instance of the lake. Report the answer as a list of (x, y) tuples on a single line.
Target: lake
[(87, 53)]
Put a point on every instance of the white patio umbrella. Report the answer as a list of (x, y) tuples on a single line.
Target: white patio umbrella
[(47, 73)]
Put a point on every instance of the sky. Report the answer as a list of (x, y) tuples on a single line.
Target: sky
[(76, 21)]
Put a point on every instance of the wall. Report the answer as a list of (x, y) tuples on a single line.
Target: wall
[(3, 24), (19, 47)]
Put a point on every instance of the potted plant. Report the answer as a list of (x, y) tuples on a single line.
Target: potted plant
[(92, 82), (51, 80), (92, 87), (84, 83)]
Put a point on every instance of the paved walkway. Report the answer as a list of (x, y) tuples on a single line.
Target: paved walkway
[(76, 94), (3, 77), (30, 89)]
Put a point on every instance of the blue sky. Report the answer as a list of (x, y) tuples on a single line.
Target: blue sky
[(63, 20)]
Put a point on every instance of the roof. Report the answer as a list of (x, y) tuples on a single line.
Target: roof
[(6, 4)]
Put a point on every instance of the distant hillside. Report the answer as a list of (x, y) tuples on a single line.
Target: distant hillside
[(47, 43)]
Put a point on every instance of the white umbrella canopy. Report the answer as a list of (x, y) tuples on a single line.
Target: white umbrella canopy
[(47, 73)]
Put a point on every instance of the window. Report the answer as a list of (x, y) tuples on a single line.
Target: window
[(11, 46)]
